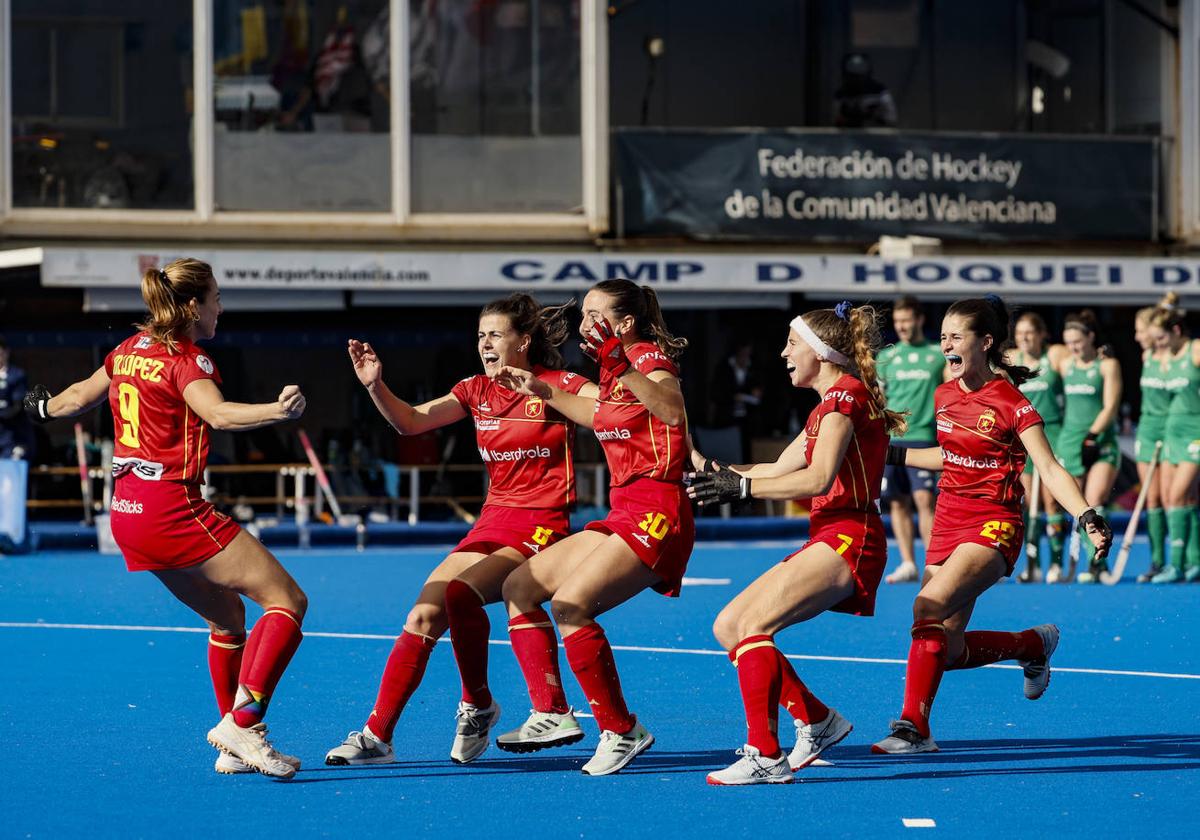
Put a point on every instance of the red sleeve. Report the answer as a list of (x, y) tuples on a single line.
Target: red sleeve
[(565, 380), (1025, 415), (190, 366), (464, 391), (108, 361), (647, 358)]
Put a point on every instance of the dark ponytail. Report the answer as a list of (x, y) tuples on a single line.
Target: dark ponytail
[(989, 315), (642, 304)]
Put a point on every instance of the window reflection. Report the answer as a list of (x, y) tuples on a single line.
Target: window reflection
[(301, 105), (495, 95), (101, 97)]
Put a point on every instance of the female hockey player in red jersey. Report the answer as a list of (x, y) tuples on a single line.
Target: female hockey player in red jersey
[(837, 462), (526, 446), (164, 398), (644, 543), (985, 428)]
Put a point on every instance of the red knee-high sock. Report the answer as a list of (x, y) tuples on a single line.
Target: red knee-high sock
[(224, 663), (469, 630), (536, 649), (269, 649), (983, 647), (795, 697), (759, 677), (926, 662), (401, 676), (591, 658)]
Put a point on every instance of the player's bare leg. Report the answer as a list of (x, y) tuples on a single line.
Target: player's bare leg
[(424, 624), (786, 594), (551, 722)]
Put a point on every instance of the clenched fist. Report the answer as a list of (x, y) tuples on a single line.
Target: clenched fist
[(292, 402)]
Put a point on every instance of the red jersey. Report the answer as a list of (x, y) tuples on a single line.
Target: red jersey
[(978, 431), (860, 475), (636, 443), (525, 444), (158, 436)]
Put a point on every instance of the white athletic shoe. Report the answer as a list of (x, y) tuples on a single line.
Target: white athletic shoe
[(231, 765), (1087, 577), (361, 748), (1037, 671), (250, 746), (904, 573), (471, 736), (540, 731), (904, 740), (615, 751), (1054, 573), (812, 739), (753, 769)]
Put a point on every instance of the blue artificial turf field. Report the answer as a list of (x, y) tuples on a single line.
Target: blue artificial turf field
[(104, 720)]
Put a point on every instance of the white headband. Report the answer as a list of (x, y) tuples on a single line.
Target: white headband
[(823, 350)]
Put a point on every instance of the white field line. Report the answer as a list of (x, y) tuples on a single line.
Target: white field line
[(315, 634)]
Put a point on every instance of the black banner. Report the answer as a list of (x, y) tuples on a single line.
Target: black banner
[(835, 185)]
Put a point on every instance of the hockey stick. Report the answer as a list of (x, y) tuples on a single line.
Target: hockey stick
[(1072, 554), (1032, 566), (322, 478), (1118, 569), (85, 481)]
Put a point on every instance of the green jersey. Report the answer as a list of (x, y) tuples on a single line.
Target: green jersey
[(1155, 385), (1083, 386), (910, 373), (1044, 391), (1183, 380)]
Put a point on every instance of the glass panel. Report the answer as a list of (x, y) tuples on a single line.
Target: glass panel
[(301, 101), (101, 103), (495, 106)]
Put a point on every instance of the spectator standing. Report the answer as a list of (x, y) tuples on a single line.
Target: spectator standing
[(910, 370)]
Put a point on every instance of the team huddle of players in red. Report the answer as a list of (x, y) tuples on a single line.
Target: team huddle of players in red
[(164, 395)]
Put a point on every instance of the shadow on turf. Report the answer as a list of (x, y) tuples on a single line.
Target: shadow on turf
[(1115, 752), (652, 761)]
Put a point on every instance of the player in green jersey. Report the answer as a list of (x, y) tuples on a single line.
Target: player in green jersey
[(1045, 393), (910, 370), (1151, 426), (1181, 442), (1087, 444)]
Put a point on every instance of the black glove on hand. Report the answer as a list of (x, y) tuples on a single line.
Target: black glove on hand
[(712, 465), (707, 488), (1089, 451), (36, 400), (1092, 519)]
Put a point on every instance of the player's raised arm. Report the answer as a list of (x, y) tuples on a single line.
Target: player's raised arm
[(579, 408), (206, 399), (75, 399), (404, 418)]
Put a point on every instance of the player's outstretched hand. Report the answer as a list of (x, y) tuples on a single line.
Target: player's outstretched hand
[(1098, 531), (37, 404), (715, 488), (523, 382), (292, 402), (367, 366), (604, 345)]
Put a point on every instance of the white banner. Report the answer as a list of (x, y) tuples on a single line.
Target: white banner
[(1095, 279)]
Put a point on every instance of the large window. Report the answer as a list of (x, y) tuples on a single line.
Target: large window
[(495, 95), (300, 95), (101, 104)]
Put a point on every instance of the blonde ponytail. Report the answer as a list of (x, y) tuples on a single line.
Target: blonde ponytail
[(168, 293)]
